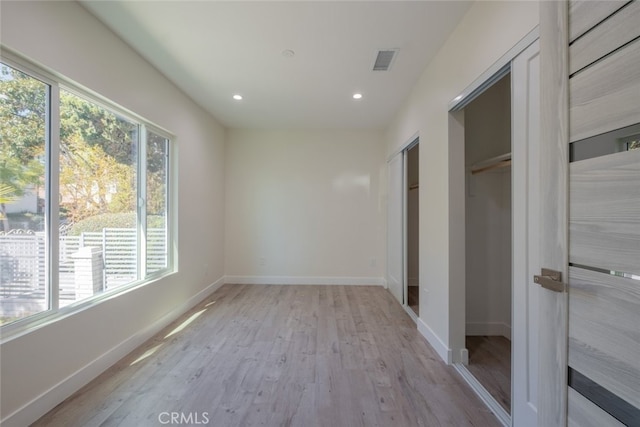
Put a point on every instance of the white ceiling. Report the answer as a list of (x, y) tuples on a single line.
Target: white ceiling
[(215, 49)]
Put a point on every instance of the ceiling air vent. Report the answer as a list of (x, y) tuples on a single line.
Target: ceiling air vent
[(384, 59)]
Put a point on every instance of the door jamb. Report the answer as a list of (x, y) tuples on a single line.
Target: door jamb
[(456, 194)]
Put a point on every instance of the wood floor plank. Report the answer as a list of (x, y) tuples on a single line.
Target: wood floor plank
[(490, 363), (282, 356)]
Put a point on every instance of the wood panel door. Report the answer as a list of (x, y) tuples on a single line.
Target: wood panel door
[(604, 214), (590, 81)]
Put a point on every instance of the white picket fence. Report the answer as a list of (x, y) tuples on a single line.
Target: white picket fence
[(22, 259)]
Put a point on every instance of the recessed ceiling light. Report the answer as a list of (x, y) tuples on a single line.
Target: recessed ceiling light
[(237, 97), (357, 96)]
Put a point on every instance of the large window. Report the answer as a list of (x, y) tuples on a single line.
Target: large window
[(83, 197)]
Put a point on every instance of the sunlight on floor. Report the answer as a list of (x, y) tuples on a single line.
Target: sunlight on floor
[(178, 329), (146, 354), (186, 323)]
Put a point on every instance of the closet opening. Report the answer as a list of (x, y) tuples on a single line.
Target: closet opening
[(402, 227), (413, 229), (488, 239), (494, 229)]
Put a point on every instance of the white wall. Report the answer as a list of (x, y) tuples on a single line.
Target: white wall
[(52, 361), (305, 207), (488, 30)]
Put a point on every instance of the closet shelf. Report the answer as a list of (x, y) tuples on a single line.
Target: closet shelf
[(492, 163)]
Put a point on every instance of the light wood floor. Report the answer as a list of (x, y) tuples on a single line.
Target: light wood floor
[(283, 356), (490, 363)]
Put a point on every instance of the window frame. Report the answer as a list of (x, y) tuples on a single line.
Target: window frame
[(170, 202), (56, 83)]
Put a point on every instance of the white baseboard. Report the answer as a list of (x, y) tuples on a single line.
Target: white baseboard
[(304, 280), (489, 329), (438, 345), (48, 400), (464, 356)]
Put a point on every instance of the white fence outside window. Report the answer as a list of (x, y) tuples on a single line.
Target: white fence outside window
[(22, 265)]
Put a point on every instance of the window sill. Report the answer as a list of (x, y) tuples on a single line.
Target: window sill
[(32, 323)]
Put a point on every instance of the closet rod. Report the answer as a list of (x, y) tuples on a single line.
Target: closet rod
[(493, 163), (501, 164)]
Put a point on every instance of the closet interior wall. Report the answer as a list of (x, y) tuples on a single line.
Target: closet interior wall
[(488, 213), (413, 257)]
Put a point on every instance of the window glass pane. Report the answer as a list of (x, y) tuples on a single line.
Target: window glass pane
[(23, 109), (98, 194), (157, 248)]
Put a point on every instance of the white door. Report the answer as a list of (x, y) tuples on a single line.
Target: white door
[(525, 155), (395, 227)]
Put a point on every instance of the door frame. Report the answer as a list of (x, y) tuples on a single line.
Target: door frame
[(403, 152), (395, 265), (554, 168), (458, 231), (405, 218)]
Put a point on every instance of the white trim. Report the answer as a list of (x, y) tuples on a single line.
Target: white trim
[(488, 328), (411, 313), (304, 280), (52, 198), (36, 408), (438, 345), (407, 145), (484, 395), (17, 61), (464, 356), (493, 73), (405, 224), (32, 323), (141, 203)]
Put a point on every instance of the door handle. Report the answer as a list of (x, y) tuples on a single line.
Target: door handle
[(550, 279)]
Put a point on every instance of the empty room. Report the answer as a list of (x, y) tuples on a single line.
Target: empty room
[(319, 213)]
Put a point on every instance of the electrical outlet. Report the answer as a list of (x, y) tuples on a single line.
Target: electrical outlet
[(262, 261), (373, 262)]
